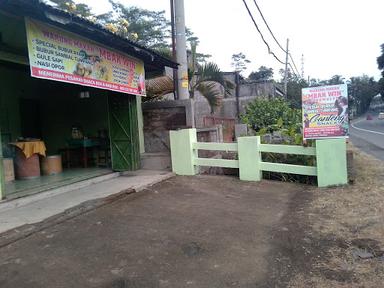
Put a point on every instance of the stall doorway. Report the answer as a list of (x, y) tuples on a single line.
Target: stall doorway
[(30, 118), (36, 110)]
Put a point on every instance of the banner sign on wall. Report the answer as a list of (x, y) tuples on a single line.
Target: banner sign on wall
[(63, 56), (325, 112)]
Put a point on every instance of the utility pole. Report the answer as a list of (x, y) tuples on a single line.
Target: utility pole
[(286, 70), (181, 51), (175, 82), (302, 66)]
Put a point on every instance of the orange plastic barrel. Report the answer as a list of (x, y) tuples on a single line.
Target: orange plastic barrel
[(51, 165), (26, 168)]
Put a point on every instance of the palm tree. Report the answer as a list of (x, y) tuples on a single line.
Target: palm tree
[(158, 87), (207, 79)]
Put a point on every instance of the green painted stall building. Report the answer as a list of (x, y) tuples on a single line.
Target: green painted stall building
[(108, 121)]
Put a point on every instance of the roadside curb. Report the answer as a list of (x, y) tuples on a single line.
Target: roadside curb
[(24, 231), (8, 204)]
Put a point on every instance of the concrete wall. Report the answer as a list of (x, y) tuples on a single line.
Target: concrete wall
[(266, 89), (247, 93), (160, 117)]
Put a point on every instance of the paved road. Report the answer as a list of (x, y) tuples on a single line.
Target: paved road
[(368, 135)]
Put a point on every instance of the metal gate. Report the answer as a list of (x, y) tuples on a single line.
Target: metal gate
[(227, 123), (123, 131)]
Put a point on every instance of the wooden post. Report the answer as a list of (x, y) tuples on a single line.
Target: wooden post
[(249, 158), (182, 153)]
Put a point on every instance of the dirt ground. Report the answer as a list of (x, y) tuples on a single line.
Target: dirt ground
[(204, 231), (339, 239), (211, 231)]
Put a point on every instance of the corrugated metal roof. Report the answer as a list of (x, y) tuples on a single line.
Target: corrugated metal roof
[(39, 10)]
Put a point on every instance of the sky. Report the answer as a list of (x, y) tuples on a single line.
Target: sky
[(335, 36)]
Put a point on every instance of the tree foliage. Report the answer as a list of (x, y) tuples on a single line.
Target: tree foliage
[(381, 87), (210, 82), (193, 40), (361, 91), (275, 116), (334, 80), (380, 60), (157, 87), (380, 63), (146, 27), (262, 74), (239, 62), (271, 115), (80, 9), (208, 79), (294, 86)]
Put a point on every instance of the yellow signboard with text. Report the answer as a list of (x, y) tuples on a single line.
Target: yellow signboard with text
[(63, 56)]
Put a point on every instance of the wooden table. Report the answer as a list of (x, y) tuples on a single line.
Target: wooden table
[(81, 145)]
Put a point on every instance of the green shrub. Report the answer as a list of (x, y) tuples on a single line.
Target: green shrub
[(271, 115), (266, 116)]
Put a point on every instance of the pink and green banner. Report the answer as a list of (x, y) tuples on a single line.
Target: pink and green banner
[(325, 112), (66, 57)]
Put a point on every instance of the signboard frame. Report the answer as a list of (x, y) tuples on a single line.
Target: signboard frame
[(325, 112), (60, 55)]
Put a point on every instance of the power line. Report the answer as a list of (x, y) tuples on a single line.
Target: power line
[(293, 70), (294, 67), (293, 62), (269, 29), (261, 34), (277, 42)]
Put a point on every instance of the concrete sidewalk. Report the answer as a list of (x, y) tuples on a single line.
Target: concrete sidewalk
[(35, 208)]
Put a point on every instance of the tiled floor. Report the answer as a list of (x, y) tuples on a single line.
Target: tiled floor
[(20, 188)]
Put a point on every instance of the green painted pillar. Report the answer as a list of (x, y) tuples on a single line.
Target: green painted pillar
[(140, 123), (2, 183), (182, 152), (331, 158), (249, 158)]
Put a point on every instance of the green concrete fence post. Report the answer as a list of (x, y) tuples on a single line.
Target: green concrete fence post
[(249, 158), (182, 152), (140, 123), (331, 158)]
